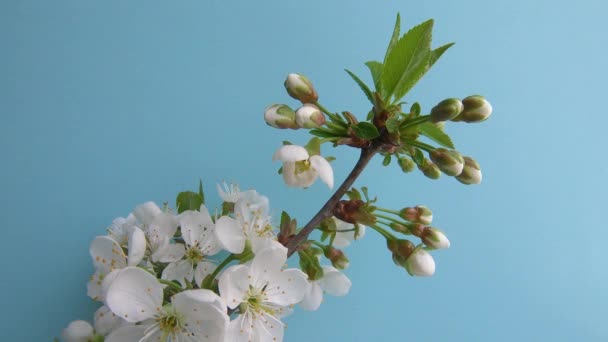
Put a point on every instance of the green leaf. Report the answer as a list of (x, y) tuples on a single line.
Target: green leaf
[(188, 200), (200, 190), (376, 70), (429, 130), (285, 219), (407, 62), (322, 134), (392, 124), (394, 38), (365, 130), (362, 85), (418, 157), (436, 54), (387, 160), (415, 109), (313, 147)]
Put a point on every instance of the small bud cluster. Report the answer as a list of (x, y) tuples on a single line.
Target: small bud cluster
[(465, 169), (471, 109)]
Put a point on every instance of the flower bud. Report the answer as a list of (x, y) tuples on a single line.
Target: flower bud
[(420, 263), (446, 110), (78, 331), (337, 257), (448, 161), (476, 109), (309, 116), (430, 170), (417, 214), (300, 88), (401, 249), (435, 239), (406, 164), (280, 116), (471, 173), (400, 228)]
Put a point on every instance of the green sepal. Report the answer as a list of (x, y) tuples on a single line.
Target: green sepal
[(314, 146), (415, 109), (387, 160), (322, 133), (418, 157), (429, 130), (353, 194), (188, 200), (365, 130)]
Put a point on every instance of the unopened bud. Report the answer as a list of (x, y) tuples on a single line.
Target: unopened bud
[(406, 164), (420, 263), (401, 249), (471, 173), (399, 228), (280, 116), (300, 88), (435, 239), (430, 170), (337, 257), (309, 116), (417, 214), (476, 109), (446, 110), (448, 161)]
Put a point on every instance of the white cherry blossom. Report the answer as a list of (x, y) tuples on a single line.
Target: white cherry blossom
[(333, 282), (82, 331), (346, 233), (300, 169), (229, 192), (263, 292), (193, 315)]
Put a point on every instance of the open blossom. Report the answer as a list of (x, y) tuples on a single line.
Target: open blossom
[(198, 232), (345, 233), (300, 169), (251, 223), (193, 315), (229, 192), (333, 282), (108, 255), (82, 331), (263, 292), (160, 227)]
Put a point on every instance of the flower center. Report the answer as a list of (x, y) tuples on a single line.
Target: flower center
[(302, 166), (194, 254), (170, 322), (255, 301)]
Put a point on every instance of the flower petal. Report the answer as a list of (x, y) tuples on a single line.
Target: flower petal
[(135, 295), (94, 288), (77, 331), (169, 252), (137, 246), (179, 271), (241, 330), (267, 328), (334, 282), (299, 179), (127, 333), (234, 284), (230, 234), (204, 313), (106, 321), (107, 254), (203, 269), (287, 287), (313, 297), (324, 169), (269, 260), (145, 213), (290, 153)]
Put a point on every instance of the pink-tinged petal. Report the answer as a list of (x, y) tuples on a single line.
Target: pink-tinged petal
[(107, 254), (313, 297), (179, 270), (106, 321), (334, 282), (145, 213), (135, 295), (78, 331), (203, 269), (290, 153), (137, 246), (324, 169), (233, 284), (287, 287), (230, 234), (204, 312), (127, 333)]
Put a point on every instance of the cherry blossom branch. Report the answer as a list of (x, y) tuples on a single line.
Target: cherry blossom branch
[(327, 210)]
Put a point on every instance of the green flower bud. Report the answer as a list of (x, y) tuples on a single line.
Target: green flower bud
[(430, 170), (406, 164), (417, 214), (309, 116), (337, 257), (471, 173), (280, 116), (300, 88), (448, 161), (446, 110), (476, 109), (399, 228), (435, 238)]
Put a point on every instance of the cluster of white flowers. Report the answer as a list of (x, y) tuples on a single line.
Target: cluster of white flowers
[(163, 276)]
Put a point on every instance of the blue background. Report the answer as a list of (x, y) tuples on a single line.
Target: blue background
[(107, 104)]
